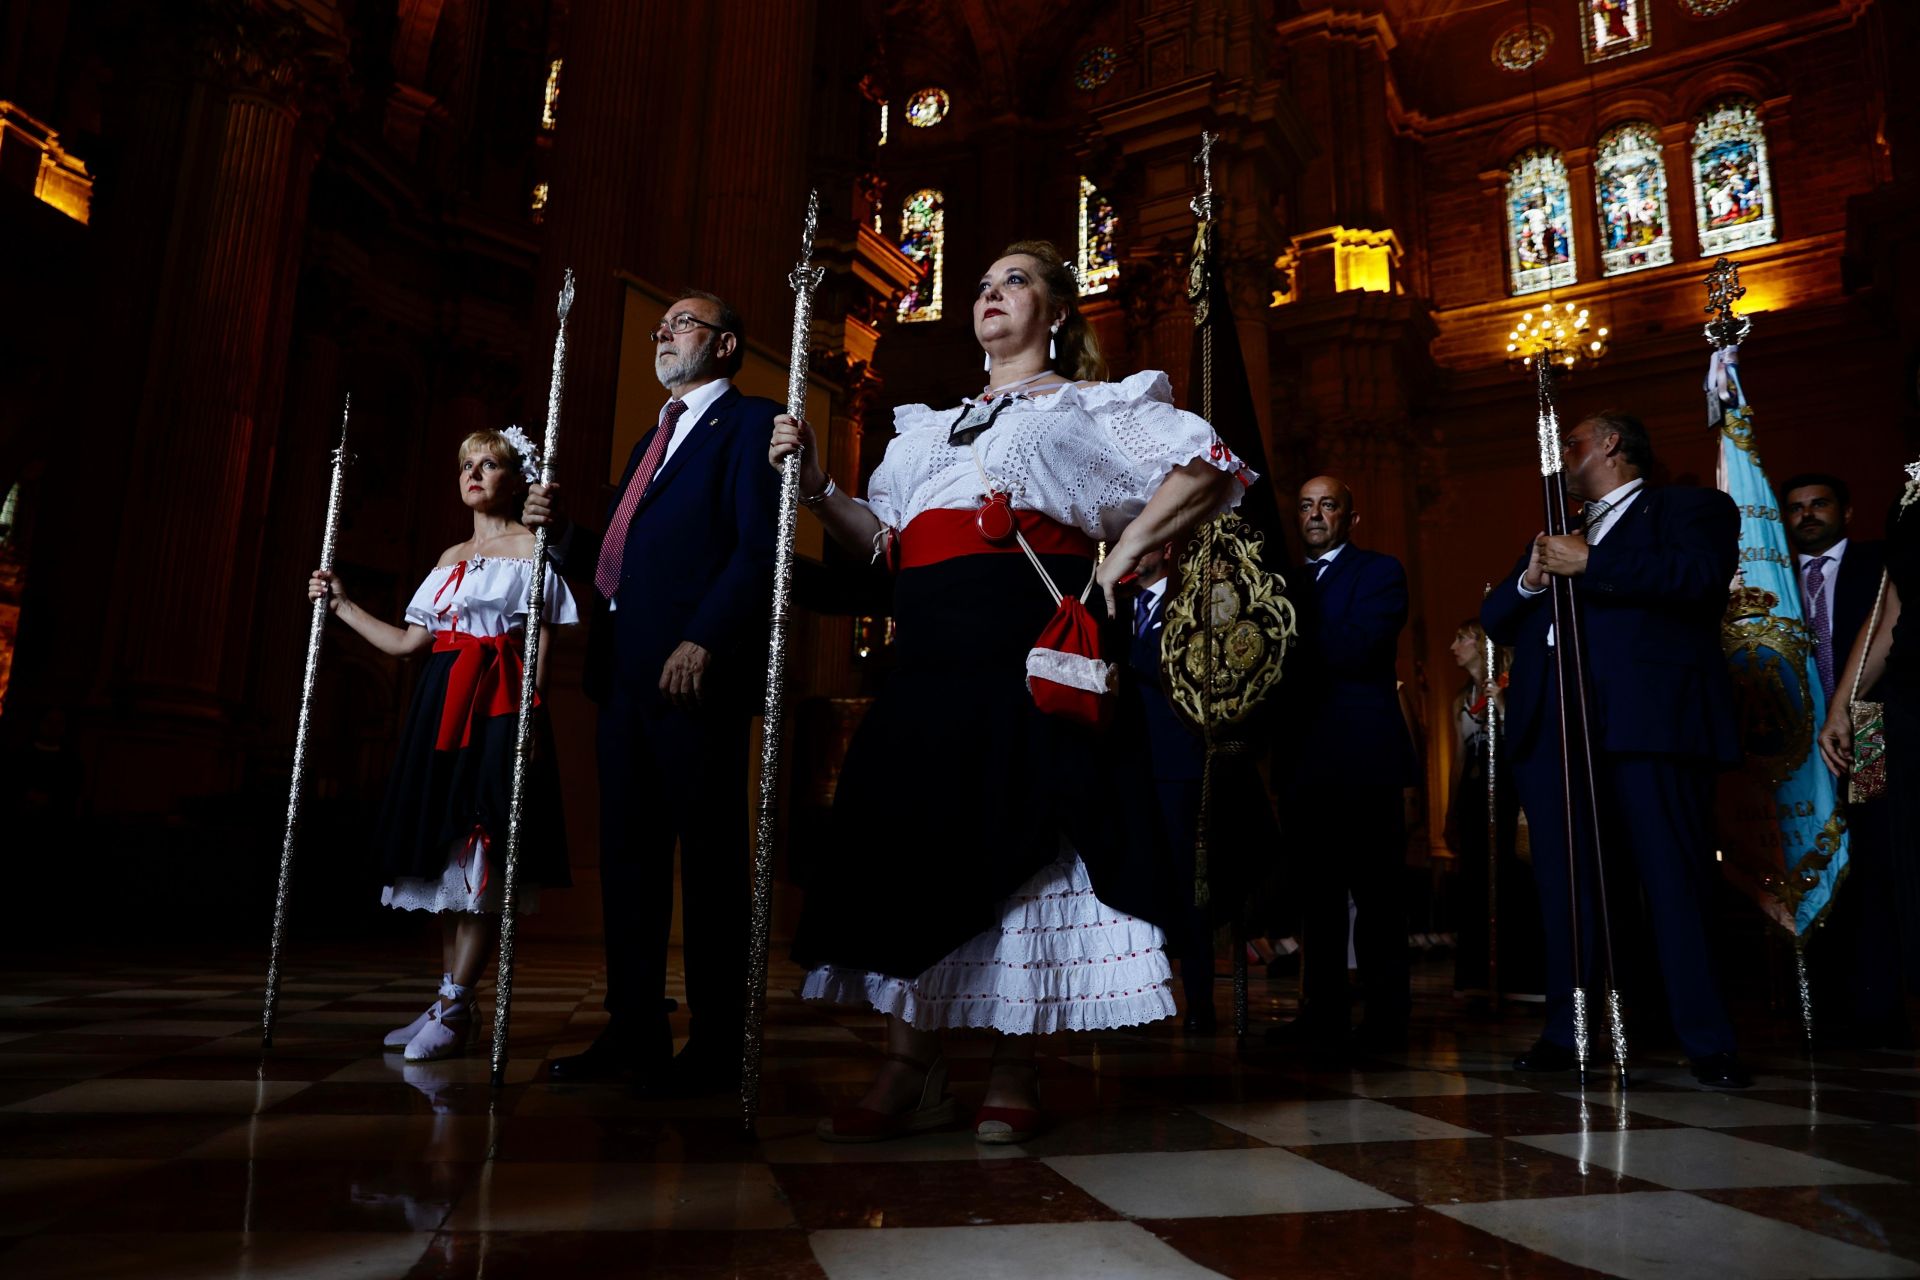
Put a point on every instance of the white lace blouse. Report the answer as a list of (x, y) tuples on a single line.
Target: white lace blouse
[(487, 596), (1089, 457)]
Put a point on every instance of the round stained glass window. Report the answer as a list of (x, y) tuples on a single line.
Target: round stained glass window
[(1095, 67), (1707, 8), (1521, 47), (927, 108)]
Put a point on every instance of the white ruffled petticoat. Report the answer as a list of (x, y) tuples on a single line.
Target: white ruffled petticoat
[(459, 887), (1061, 960)]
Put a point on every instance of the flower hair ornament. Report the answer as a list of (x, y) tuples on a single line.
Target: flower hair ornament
[(529, 454)]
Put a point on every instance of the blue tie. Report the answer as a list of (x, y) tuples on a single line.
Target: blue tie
[(1143, 615)]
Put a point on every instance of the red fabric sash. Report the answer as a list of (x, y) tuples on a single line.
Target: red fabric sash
[(934, 536), (485, 681), (477, 847)]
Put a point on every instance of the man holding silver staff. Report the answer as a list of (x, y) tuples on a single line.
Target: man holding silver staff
[(1650, 571), (682, 576)]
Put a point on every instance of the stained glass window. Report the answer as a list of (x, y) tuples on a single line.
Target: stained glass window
[(927, 108), (550, 100), (923, 237), (1520, 48), (1614, 27), (1095, 67), (883, 122), (1732, 186), (1539, 221), (1630, 190), (1099, 254)]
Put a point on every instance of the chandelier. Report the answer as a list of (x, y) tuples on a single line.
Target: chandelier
[(1559, 335)]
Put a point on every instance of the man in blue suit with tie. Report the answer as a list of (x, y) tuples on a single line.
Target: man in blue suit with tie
[(1651, 571), (676, 659), (1345, 807)]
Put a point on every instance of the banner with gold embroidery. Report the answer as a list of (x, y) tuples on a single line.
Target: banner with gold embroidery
[(1784, 836)]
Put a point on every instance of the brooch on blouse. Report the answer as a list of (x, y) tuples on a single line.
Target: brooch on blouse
[(976, 420)]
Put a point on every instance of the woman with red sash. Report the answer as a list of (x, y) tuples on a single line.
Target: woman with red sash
[(995, 859), (442, 830)]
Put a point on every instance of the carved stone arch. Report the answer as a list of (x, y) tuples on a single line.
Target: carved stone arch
[(1559, 131), (413, 39), (1701, 90), (1637, 104)]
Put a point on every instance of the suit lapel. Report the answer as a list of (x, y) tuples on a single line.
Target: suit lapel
[(704, 433), (1337, 570)]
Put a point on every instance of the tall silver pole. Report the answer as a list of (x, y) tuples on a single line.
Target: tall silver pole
[(1492, 689), (297, 785), (804, 278), (529, 691)]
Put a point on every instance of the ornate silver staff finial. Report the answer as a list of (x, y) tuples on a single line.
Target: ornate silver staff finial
[(1202, 204), (805, 277), (566, 295), (1723, 290)]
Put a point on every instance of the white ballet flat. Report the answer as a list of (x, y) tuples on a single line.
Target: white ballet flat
[(446, 1032), (401, 1037)]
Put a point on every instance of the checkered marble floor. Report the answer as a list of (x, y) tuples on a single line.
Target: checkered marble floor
[(143, 1133)]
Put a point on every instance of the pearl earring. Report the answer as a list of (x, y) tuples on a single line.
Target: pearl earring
[(1050, 351), (987, 362)]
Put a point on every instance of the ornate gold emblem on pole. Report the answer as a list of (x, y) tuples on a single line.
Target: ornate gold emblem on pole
[(523, 733), (1723, 290), (1228, 625), (297, 784), (804, 278)]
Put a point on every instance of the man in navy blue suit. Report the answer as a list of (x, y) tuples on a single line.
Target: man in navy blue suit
[(1650, 570), (676, 658), (1345, 805), (1855, 956)]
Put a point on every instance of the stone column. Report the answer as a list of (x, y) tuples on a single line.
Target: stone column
[(177, 658)]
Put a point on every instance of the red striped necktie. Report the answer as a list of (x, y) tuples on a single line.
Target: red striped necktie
[(613, 547)]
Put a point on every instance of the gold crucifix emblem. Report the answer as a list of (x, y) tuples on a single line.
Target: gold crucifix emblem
[(1723, 290)]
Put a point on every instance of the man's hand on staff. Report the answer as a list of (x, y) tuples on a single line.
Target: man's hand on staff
[(1562, 555), (684, 677), (543, 506)]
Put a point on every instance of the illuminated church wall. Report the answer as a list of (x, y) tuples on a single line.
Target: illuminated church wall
[(1822, 370), (1363, 170)]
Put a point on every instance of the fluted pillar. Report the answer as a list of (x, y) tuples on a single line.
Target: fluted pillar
[(186, 560), (753, 170), (617, 203)]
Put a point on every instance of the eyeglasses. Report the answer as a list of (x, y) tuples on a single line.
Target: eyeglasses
[(684, 322)]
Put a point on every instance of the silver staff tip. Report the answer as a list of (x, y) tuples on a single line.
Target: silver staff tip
[(566, 294)]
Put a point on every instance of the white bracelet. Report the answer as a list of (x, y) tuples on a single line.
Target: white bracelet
[(821, 496)]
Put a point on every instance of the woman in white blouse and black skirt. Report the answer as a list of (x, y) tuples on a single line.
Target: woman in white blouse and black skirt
[(991, 865), (442, 830)]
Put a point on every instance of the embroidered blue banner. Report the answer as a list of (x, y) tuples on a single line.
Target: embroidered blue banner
[(1784, 836)]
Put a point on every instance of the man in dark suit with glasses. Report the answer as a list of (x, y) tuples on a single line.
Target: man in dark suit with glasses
[(676, 658)]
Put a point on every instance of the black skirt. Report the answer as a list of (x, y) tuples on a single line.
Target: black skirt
[(956, 789), (435, 797)]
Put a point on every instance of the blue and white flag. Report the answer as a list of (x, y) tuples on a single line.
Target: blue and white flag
[(1784, 835)]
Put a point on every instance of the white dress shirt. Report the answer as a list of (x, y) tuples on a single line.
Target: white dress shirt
[(1621, 497), (1325, 557), (1149, 599), (1830, 571), (698, 401)]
